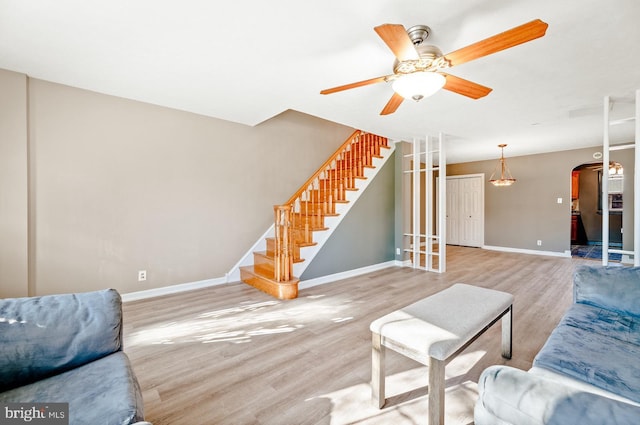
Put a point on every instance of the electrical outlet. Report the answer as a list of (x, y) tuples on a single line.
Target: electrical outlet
[(539, 242), (142, 275), (397, 251)]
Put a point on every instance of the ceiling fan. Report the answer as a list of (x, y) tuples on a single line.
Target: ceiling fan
[(417, 70)]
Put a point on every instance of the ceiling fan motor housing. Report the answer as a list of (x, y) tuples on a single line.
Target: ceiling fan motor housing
[(418, 34)]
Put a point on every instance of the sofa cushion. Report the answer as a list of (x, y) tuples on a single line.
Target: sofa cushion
[(613, 287), (104, 392), (605, 322), (606, 360), (43, 336)]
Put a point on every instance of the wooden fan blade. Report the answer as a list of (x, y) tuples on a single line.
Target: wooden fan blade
[(510, 38), (392, 104), (396, 37), (354, 85), (465, 87)]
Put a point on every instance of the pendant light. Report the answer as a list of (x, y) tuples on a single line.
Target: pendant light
[(506, 179)]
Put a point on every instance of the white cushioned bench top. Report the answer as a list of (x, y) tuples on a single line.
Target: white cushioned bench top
[(441, 324)]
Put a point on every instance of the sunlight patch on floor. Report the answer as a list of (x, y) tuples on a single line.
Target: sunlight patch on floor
[(241, 323), (407, 397)]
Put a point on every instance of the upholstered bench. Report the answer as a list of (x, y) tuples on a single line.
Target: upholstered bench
[(434, 330)]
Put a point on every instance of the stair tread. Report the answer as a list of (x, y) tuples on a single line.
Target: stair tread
[(324, 214), (304, 244), (282, 290), (251, 270), (299, 244), (265, 255)]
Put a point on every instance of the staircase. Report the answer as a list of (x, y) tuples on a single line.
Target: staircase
[(308, 211)]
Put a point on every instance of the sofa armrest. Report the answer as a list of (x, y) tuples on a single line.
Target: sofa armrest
[(513, 396), (47, 335), (614, 288)]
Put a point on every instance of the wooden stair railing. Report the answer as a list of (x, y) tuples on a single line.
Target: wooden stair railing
[(304, 213)]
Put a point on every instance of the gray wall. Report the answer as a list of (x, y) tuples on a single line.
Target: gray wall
[(117, 186), (519, 215), (366, 235), (13, 185)]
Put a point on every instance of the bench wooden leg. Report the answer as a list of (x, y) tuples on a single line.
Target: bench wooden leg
[(507, 333), (377, 371), (436, 391)]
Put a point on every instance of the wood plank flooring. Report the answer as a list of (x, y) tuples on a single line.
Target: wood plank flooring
[(233, 355)]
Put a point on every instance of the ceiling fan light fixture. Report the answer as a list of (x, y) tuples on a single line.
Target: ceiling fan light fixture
[(418, 85)]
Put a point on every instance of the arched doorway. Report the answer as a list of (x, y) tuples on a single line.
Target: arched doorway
[(586, 209)]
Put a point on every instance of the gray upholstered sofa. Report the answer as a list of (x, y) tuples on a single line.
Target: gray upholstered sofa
[(588, 371), (68, 349)]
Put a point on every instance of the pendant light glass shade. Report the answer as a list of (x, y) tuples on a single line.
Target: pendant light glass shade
[(418, 85)]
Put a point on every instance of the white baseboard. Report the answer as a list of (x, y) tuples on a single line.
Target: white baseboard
[(528, 251), (183, 287), (304, 284), (172, 289)]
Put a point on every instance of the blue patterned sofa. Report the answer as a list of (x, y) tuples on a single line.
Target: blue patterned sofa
[(68, 349), (588, 371)]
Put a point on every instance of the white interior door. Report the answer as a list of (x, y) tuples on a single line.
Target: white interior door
[(471, 200), (465, 210)]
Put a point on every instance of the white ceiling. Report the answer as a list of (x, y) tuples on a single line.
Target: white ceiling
[(247, 61)]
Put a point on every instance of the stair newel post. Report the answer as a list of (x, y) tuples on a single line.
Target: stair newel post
[(288, 246), (282, 261), (278, 235)]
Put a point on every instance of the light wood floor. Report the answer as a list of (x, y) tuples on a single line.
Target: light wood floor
[(233, 355)]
